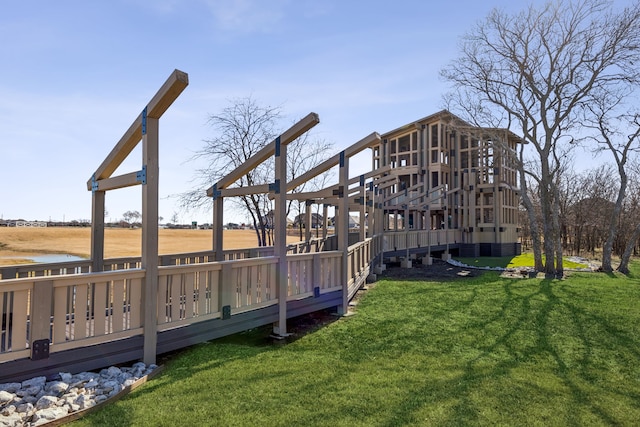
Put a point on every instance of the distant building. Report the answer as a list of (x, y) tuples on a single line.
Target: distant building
[(317, 221), (30, 223)]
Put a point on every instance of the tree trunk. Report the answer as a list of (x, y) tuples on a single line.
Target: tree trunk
[(548, 231), (607, 249), (533, 220), (624, 261), (558, 237), (257, 229)]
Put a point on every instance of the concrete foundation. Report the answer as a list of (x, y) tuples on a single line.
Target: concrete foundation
[(379, 269), (406, 263)]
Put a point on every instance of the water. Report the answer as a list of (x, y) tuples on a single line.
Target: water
[(49, 258)]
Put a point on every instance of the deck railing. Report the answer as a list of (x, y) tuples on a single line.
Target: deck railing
[(71, 308), (126, 263), (69, 311), (401, 240)]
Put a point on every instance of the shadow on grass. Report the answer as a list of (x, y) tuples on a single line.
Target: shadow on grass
[(480, 351), (574, 364)]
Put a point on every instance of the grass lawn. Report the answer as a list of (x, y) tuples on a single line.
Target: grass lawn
[(474, 351), (524, 260)]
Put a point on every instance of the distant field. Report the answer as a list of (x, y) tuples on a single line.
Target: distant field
[(18, 243)]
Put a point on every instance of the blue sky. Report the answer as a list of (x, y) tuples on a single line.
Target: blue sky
[(76, 73)]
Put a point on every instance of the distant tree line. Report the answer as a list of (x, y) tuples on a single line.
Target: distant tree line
[(587, 203)]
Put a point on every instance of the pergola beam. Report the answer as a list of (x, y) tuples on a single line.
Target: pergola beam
[(267, 151), (168, 92), (366, 142), (244, 191), (120, 181)]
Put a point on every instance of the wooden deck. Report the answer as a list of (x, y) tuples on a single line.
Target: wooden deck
[(90, 320), (83, 314)]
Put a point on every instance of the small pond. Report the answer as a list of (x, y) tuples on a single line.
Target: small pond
[(49, 258)]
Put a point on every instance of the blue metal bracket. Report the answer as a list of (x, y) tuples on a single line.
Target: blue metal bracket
[(339, 192), (275, 187), (141, 175), (144, 121), (342, 159), (216, 193), (278, 147), (316, 291), (94, 183), (361, 180)]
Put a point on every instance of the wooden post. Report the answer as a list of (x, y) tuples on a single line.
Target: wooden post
[(41, 303), (226, 289), (218, 212), (406, 263), (308, 220), (97, 230), (150, 235), (343, 230), (363, 207), (325, 220), (280, 246)]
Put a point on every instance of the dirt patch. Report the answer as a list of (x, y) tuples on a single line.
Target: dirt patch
[(437, 270)]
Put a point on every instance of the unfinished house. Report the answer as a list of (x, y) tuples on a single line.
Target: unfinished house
[(454, 177)]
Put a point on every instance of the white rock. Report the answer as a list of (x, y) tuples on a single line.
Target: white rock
[(29, 391), (37, 381), (29, 399), (13, 420), (10, 387), (129, 382), (66, 377), (37, 402), (50, 413), (46, 402), (57, 387), (114, 371), (24, 408), (92, 384), (8, 410), (6, 397), (81, 401)]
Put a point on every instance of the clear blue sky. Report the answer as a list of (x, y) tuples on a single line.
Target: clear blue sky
[(76, 73)]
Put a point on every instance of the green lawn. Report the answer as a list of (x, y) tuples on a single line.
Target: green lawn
[(524, 260), (475, 351)]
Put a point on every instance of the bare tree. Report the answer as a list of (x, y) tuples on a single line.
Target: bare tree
[(632, 213), (131, 217), (240, 131), (617, 134), (589, 208), (536, 72)]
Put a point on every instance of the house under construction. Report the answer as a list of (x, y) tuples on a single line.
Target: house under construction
[(444, 174)]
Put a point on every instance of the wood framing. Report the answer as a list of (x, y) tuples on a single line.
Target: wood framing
[(160, 102), (288, 136), (144, 128)]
